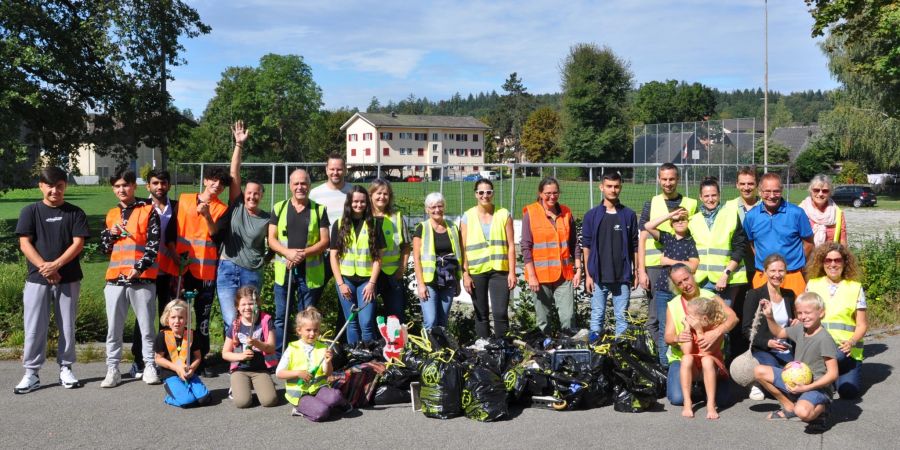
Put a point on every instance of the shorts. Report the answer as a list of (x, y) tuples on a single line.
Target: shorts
[(816, 397)]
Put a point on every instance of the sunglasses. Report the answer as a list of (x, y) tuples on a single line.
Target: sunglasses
[(838, 260), (487, 193), (550, 194), (818, 190)]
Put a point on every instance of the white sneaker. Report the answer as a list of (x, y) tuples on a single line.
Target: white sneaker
[(29, 383), (150, 376), (113, 378), (67, 379), (756, 393)]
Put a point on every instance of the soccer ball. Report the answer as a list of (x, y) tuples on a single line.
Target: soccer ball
[(796, 373)]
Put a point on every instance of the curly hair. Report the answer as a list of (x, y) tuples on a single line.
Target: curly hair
[(816, 268), (709, 309), (345, 232)]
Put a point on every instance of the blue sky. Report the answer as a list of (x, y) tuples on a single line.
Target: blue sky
[(360, 49)]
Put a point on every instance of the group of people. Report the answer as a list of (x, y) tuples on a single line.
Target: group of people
[(706, 266)]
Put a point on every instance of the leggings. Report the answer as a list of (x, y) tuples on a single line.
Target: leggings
[(491, 284)]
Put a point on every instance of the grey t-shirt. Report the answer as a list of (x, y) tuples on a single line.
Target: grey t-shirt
[(245, 241), (813, 350)]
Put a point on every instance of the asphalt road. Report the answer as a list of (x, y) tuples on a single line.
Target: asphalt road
[(133, 415)]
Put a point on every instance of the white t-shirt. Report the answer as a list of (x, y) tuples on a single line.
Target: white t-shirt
[(333, 199)]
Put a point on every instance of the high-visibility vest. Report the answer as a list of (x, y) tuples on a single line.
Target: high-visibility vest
[(167, 259), (297, 360), (315, 268), (484, 255), (428, 256), (676, 307), (194, 236), (357, 260), (270, 359), (714, 246), (839, 310), (552, 256), (652, 248), (838, 223), (393, 238), (178, 352), (738, 205), (128, 250)]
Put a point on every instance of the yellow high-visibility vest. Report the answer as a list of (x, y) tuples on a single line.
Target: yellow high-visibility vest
[(714, 246), (652, 248), (839, 311), (484, 255)]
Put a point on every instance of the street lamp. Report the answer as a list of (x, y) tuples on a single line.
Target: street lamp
[(766, 96)]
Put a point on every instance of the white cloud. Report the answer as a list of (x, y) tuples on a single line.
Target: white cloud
[(397, 62)]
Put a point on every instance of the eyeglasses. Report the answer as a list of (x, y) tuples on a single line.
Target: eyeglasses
[(771, 193), (487, 193), (550, 194), (818, 190), (838, 260)]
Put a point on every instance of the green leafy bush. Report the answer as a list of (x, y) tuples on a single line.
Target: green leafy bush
[(880, 262), (851, 173)]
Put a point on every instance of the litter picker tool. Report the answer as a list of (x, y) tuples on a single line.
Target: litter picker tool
[(189, 333), (287, 309), (353, 312), (182, 264)]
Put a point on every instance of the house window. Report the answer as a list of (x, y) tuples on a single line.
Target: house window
[(352, 152), (448, 136), (421, 152), (352, 137), (434, 136), (474, 138), (386, 151), (475, 168), (421, 136), (386, 135), (434, 148), (368, 152), (367, 136), (406, 135), (434, 159)]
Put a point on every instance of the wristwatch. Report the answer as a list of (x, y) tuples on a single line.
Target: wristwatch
[(728, 272)]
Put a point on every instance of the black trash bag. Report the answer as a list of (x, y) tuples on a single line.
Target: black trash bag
[(630, 402), (361, 353), (413, 357), (339, 357), (516, 383), (600, 389), (398, 376), (391, 395), (641, 340), (572, 392), (441, 339), (499, 356), (484, 396), (638, 372), (442, 385), (538, 383)]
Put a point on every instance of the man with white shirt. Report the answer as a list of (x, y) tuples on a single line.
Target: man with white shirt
[(333, 193)]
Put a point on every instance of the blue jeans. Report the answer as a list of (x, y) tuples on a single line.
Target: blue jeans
[(676, 397), (301, 298), (728, 294), (662, 304), (621, 294), (230, 277), (773, 359), (849, 379), (182, 395), (393, 294), (363, 326), (436, 310)]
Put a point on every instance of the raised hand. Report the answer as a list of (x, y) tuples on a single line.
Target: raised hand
[(239, 132)]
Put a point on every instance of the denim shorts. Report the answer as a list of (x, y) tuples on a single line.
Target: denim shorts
[(816, 397)]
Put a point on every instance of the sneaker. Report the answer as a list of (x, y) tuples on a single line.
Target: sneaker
[(150, 376), (67, 379), (113, 378), (29, 383), (230, 397), (136, 372), (757, 394), (208, 372)]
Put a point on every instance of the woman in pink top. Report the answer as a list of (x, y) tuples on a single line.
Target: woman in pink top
[(825, 217)]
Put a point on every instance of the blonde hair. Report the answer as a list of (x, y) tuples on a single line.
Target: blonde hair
[(172, 306), (310, 314), (709, 309), (811, 298)]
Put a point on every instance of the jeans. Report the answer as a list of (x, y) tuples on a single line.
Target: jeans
[(363, 326), (727, 294), (621, 294), (493, 283), (849, 378), (773, 359), (653, 326), (676, 397), (560, 293), (436, 310), (393, 294), (662, 304), (301, 298), (230, 277)]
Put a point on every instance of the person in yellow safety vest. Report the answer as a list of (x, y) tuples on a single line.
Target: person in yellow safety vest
[(197, 217), (131, 238), (834, 274), (551, 255), (721, 243), (828, 222), (745, 201), (391, 283), (649, 254), (356, 249), (436, 257), (298, 234), (489, 260), (676, 333)]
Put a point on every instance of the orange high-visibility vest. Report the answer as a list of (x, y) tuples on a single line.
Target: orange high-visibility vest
[(551, 253), (128, 250), (167, 259), (194, 237), (178, 352)]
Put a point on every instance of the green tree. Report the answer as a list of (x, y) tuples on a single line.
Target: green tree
[(780, 116), (851, 173), (540, 135), (595, 84), (778, 153), (818, 158), (671, 101), (326, 136), (63, 59)]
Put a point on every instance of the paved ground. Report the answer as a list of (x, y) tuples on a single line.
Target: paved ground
[(133, 415)]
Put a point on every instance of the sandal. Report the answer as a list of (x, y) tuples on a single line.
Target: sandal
[(781, 414)]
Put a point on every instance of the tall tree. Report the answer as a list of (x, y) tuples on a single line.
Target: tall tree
[(671, 101), (63, 59), (540, 135), (595, 84)]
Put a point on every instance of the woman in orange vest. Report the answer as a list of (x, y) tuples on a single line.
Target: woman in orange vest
[(551, 255), (825, 217)]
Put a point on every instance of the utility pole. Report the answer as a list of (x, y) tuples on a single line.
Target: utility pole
[(766, 97)]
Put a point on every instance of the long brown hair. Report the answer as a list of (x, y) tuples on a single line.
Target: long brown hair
[(816, 266), (345, 232)]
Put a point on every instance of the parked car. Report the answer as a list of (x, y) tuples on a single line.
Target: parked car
[(364, 179), (472, 177), (413, 179), (854, 195), (489, 175)]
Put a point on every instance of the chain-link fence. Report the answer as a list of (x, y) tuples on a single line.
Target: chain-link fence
[(729, 141)]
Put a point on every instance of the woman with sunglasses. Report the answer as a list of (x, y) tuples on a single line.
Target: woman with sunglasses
[(436, 255), (551, 255), (834, 275), (825, 217), (489, 260)]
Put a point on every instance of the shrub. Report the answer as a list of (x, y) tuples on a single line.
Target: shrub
[(880, 261), (851, 173)]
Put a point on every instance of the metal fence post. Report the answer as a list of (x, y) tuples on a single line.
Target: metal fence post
[(201, 175), (272, 190), (512, 193), (591, 185)]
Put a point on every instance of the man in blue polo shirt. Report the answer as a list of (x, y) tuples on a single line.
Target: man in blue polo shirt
[(779, 227)]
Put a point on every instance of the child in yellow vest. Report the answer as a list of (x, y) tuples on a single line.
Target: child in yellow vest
[(306, 366), (701, 315), (172, 346)]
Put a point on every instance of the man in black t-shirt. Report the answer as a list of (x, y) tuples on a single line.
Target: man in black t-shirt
[(51, 236)]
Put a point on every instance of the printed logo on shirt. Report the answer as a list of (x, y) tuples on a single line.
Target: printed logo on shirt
[(53, 219), (617, 227)]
